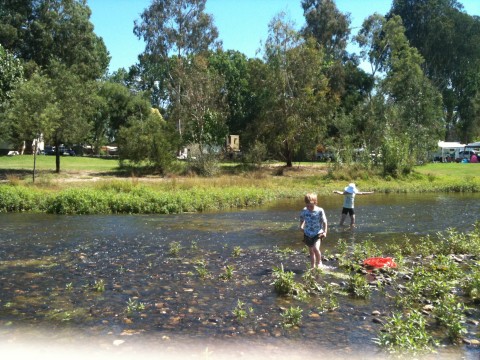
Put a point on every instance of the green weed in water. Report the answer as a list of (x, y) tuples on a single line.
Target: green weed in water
[(99, 285), (291, 317), (240, 312), (134, 305), (174, 248), (358, 286), (450, 313), (237, 251), (228, 273), (406, 334)]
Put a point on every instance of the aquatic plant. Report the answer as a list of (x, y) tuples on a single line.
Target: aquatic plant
[(450, 313), (237, 251), (284, 283), (202, 270), (406, 334), (99, 285), (471, 283), (240, 311), (174, 248), (291, 317), (228, 273), (133, 305), (358, 286)]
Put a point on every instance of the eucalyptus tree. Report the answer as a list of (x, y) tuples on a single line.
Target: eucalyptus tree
[(329, 26), (347, 81), (411, 104), (233, 66), (203, 105), (447, 38), (178, 28), (297, 103)]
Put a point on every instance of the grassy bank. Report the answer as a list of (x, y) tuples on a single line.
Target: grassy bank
[(99, 186)]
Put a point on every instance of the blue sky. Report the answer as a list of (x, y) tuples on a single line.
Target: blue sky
[(242, 24)]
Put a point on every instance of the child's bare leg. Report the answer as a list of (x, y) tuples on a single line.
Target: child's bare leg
[(317, 254), (312, 256), (342, 219), (352, 222)]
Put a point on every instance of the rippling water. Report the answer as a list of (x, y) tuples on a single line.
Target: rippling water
[(51, 268)]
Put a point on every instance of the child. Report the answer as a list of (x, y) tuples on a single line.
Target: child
[(348, 202), (313, 223)]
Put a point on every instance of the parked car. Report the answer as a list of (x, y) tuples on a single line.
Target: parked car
[(467, 154)]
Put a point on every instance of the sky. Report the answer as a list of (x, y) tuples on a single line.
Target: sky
[(242, 24)]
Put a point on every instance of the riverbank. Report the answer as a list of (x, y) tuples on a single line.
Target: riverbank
[(100, 189)]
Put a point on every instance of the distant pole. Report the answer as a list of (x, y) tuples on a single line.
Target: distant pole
[(34, 158)]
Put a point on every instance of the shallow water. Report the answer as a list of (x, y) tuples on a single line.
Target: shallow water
[(51, 268)]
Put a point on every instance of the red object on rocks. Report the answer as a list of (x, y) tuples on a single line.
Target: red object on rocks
[(380, 262)]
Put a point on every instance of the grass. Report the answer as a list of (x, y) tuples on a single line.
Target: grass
[(67, 163), (98, 186)]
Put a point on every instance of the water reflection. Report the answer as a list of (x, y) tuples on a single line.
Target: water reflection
[(53, 268)]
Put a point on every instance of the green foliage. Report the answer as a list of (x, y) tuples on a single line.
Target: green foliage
[(228, 273), (174, 248), (240, 312), (150, 140), (471, 284), (59, 30), (450, 314), (291, 317), (358, 286), (133, 306), (284, 283), (406, 334)]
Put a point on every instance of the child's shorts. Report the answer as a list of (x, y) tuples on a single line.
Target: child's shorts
[(311, 240)]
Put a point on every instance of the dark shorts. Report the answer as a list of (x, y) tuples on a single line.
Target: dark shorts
[(348, 211), (310, 241)]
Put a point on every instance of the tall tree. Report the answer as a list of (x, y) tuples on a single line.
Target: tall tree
[(11, 76), (329, 26), (447, 38), (233, 67), (297, 99), (43, 31), (413, 103), (172, 28), (203, 106)]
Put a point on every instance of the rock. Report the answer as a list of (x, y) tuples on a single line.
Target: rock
[(428, 307), (377, 320), (118, 342), (376, 313), (473, 342)]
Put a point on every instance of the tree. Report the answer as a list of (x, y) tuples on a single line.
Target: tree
[(447, 38), (203, 106), (172, 27), (33, 110), (148, 139), (412, 104), (43, 31), (297, 106), (11, 76), (234, 68), (327, 25), (60, 108), (116, 104)]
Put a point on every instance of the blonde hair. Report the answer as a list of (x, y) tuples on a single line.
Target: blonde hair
[(311, 198)]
